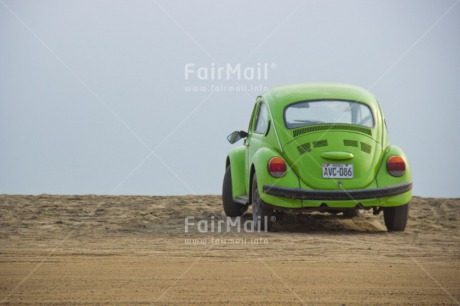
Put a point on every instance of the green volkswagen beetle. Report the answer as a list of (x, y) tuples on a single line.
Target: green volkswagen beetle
[(317, 147)]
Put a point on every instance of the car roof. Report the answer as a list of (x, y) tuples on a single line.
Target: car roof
[(279, 97)]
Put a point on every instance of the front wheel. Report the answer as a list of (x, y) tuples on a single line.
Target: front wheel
[(261, 212), (396, 217), (231, 208)]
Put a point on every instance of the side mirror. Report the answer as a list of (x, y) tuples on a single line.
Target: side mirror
[(235, 136)]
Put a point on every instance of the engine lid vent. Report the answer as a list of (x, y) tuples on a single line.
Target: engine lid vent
[(350, 143), (320, 143), (366, 148), (332, 127), (305, 148)]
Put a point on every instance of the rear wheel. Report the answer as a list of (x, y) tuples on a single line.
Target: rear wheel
[(231, 208), (396, 217), (261, 212)]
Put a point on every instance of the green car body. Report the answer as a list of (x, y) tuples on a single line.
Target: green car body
[(309, 149)]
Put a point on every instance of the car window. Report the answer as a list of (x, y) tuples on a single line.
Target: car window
[(253, 118), (262, 120), (327, 111)]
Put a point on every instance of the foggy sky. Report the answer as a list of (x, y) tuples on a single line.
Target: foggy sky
[(93, 95)]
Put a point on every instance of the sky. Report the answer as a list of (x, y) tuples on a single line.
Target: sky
[(124, 97)]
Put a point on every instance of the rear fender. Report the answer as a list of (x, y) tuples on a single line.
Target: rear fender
[(384, 178), (290, 179)]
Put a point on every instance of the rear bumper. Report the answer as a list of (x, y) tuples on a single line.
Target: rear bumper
[(337, 195)]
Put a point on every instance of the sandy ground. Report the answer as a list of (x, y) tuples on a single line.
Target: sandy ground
[(132, 249)]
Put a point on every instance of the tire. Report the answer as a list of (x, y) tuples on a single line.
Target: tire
[(231, 208), (396, 217), (261, 212), (351, 213)]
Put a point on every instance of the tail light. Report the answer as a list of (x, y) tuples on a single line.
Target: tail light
[(396, 165), (277, 166)]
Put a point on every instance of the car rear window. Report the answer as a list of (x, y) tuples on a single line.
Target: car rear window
[(327, 111)]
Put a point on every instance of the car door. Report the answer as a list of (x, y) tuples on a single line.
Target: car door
[(256, 135)]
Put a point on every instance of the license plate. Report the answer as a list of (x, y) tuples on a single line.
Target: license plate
[(337, 171)]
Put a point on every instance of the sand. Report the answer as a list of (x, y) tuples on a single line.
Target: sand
[(134, 249)]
